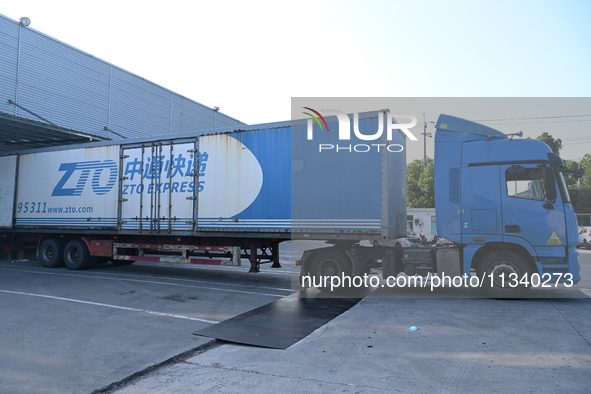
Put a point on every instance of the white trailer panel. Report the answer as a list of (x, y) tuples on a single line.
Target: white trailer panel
[(72, 188), (230, 179), (165, 184), (158, 187)]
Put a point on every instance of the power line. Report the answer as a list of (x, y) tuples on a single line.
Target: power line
[(537, 117), (526, 123), (572, 139)]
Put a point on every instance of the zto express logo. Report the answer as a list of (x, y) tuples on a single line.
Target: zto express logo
[(84, 169), (345, 130)]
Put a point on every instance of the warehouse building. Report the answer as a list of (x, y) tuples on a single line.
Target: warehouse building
[(54, 94)]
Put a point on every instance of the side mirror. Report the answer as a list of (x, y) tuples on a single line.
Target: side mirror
[(578, 173), (550, 180)]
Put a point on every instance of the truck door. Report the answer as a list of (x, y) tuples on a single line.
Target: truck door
[(528, 211), (158, 193)]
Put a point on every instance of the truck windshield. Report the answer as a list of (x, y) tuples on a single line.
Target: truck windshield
[(563, 188)]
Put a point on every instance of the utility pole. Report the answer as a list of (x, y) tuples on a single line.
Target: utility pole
[(424, 141), (425, 135)]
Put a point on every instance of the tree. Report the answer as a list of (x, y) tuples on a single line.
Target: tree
[(569, 179), (580, 190), (420, 184), (420, 180), (554, 144), (586, 165), (581, 199)]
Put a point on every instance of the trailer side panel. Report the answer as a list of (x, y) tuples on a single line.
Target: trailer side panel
[(73, 190), (7, 180)]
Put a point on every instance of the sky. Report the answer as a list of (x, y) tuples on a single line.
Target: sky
[(251, 58)]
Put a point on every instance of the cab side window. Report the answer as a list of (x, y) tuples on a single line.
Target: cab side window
[(527, 183)]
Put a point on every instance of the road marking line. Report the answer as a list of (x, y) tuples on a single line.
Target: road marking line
[(144, 281), (196, 281), (587, 292), (112, 306), (116, 274)]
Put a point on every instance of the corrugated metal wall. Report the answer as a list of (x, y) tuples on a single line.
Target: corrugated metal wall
[(78, 91)]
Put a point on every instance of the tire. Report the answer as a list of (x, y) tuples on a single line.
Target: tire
[(327, 264), (76, 255), (503, 262), (51, 253), (398, 244), (586, 244)]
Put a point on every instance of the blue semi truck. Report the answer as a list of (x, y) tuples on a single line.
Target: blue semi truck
[(504, 204), (215, 197)]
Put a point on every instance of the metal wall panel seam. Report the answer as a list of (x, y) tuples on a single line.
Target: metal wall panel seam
[(50, 58), (170, 117), (109, 101), (141, 97), (58, 118), (37, 97), (80, 81), (18, 61)]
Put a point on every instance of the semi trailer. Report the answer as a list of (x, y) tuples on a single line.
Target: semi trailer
[(239, 192)]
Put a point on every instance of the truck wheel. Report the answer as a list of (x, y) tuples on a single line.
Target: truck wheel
[(327, 264), (501, 264), (76, 255), (51, 253)]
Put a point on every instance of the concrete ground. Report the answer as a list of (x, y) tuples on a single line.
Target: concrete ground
[(65, 331), (462, 345), (80, 331)]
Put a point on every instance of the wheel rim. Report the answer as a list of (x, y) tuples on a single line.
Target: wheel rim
[(503, 267), (74, 255), (328, 267), (48, 253)]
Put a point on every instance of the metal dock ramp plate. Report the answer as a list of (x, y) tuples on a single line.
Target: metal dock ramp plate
[(280, 324)]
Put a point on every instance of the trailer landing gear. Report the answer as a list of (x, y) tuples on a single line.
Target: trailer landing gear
[(263, 254)]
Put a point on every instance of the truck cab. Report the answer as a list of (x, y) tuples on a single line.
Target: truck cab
[(504, 200)]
